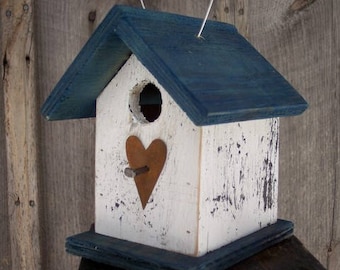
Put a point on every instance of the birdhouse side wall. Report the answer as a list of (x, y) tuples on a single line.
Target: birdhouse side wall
[(170, 218), (239, 181)]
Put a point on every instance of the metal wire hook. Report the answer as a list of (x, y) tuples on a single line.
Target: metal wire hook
[(205, 19), (142, 3)]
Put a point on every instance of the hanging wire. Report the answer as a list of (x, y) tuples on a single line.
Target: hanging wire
[(205, 19), (142, 3)]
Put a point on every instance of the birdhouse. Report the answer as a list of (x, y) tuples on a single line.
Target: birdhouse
[(187, 130)]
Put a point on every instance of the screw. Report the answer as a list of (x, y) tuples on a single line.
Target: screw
[(134, 172), (31, 203)]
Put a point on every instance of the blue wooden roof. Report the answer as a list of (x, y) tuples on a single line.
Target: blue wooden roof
[(216, 79)]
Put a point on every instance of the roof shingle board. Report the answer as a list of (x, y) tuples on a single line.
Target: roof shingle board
[(216, 79)]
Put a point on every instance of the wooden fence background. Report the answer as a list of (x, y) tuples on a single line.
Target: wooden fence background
[(47, 169)]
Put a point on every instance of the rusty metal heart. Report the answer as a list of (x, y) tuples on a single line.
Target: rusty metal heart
[(139, 158)]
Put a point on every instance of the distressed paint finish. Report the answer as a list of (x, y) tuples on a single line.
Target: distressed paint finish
[(301, 47), (239, 175), (219, 183), (169, 220), (129, 255), (217, 79)]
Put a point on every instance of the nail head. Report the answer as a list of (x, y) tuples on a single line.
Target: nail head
[(25, 7), (134, 172), (8, 13)]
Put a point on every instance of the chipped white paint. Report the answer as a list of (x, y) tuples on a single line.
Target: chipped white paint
[(219, 183), (169, 220), (238, 187)]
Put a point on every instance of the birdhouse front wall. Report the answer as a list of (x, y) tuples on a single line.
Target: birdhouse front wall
[(170, 218), (218, 183)]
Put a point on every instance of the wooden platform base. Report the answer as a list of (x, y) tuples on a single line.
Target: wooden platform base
[(288, 254), (129, 255)]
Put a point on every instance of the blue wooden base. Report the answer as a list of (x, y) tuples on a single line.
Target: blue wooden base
[(129, 255)]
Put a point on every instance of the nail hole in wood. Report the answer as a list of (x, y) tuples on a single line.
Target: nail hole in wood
[(92, 15), (17, 202)]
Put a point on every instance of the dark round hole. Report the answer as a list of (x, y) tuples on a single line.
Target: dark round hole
[(150, 102)]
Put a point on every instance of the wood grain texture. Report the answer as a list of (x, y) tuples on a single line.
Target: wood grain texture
[(5, 252), (298, 42), (334, 246), (119, 212), (219, 78), (288, 254), (233, 12), (62, 28), (134, 256), (21, 125), (238, 181)]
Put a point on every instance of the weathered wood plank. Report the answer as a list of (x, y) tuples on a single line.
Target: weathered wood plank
[(288, 254), (238, 85), (5, 252), (297, 41), (130, 255), (334, 246), (223, 11), (234, 12), (21, 122), (62, 28), (188, 8)]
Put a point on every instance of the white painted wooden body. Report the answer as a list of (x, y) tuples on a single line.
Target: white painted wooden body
[(218, 184)]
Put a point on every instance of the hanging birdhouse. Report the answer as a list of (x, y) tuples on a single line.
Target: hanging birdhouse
[(186, 129)]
